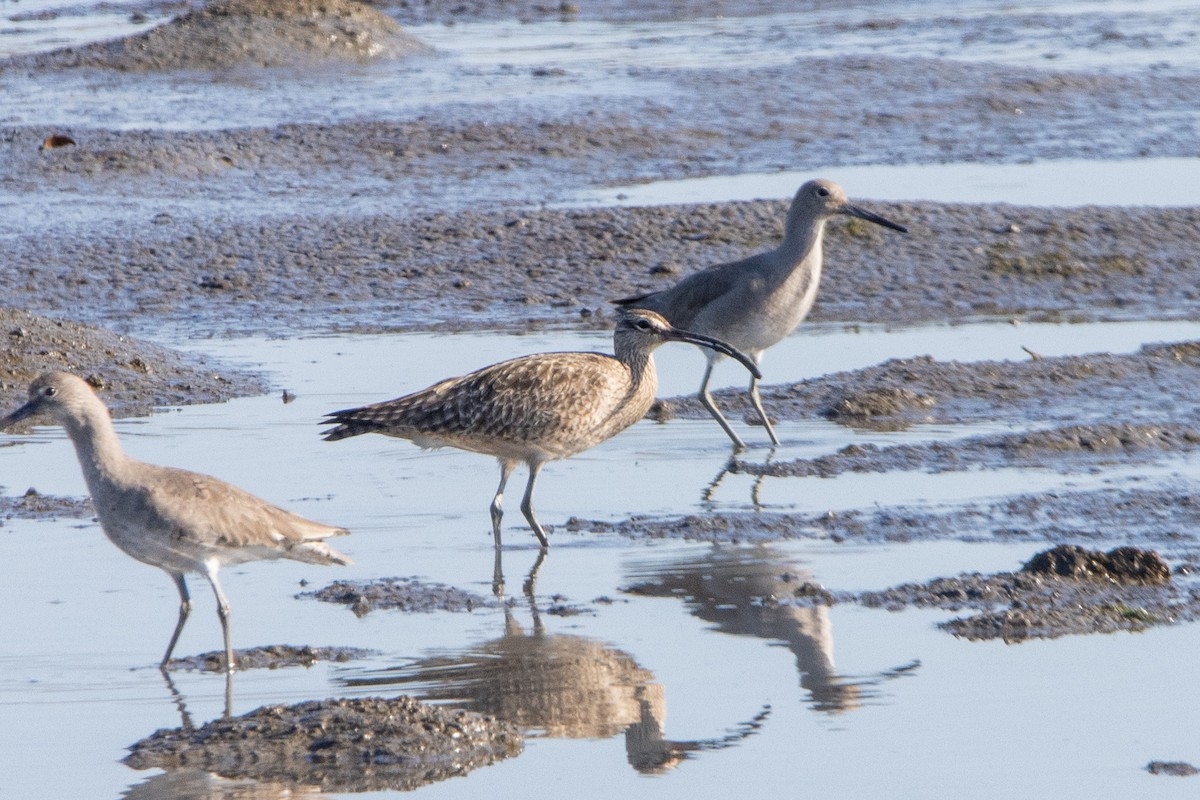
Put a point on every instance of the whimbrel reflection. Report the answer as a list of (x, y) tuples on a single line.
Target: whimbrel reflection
[(558, 686), (737, 589)]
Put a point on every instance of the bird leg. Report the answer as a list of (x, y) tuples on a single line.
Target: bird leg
[(185, 608), (498, 576), (758, 406), (707, 401), (527, 505), (497, 507), (222, 612)]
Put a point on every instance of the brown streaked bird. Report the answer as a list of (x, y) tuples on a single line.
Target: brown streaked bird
[(754, 303), (536, 408), (175, 520)]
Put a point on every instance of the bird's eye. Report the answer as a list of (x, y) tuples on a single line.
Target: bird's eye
[(643, 324), (49, 391), (822, 192)]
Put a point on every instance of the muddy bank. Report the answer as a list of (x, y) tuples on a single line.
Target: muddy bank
[(35, 505), (1064, 591), (132, 376), (357, 745), (1163, 518), (403, 594), (226, 34), (275, 656), (515, 269), (1154, 385), (1069, 449)]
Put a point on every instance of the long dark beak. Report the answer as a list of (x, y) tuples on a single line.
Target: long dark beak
[(701, 340), (27, 410), (862, 213)]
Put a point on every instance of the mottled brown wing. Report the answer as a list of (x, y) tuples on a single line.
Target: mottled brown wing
[(538, 397)]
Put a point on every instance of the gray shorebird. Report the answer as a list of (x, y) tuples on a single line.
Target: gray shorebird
[(533, 409), (754, 303), (175, 520)]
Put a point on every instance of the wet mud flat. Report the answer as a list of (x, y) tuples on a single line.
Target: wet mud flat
[(275, 656), (352, 745), (441, 209), (1062, 591), (132, 375), (401, 594), (32, 504), (520, 269)]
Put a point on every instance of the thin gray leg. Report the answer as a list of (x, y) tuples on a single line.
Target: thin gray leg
[(223, 613), (497, 507), (758, 406), (185, 608), (707, 401), (527, 504), (498, 575)]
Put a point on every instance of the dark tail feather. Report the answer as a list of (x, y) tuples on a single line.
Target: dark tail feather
[(628, 301), (346, 425)]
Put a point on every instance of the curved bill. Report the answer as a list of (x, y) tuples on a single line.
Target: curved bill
[(700, 340), (27, 410), (869, 216)]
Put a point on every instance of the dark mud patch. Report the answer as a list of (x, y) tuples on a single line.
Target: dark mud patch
[(1119, 565), (1064, 591), (132, 376), (35, 505), (1069, 449), (402, 594), (357, 745), (1178, 769), (1163, 517), (275, 656), (236, 33), (1154, 384)]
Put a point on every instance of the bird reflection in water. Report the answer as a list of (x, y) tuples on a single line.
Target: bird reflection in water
[(739, 590), (556, 686), (196, 784)]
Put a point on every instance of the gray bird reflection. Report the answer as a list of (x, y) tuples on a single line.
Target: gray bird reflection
[(558, 686), (751, 591)]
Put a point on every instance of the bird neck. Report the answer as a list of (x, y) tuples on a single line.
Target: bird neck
[(640, 363), (96, 445), (802, 240)]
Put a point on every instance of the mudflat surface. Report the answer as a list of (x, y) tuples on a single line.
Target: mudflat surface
[(131, 374), (353, 745)]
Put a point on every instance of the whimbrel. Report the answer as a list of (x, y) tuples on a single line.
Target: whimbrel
[(175, 520), (533, 409), (754, 303)]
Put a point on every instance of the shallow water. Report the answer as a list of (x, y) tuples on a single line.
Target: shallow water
[(78, 663), (850, 702), (1160, 182)]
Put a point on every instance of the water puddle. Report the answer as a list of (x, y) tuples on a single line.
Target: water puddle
[(631, 659), (1159, 182), (32, 26)]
